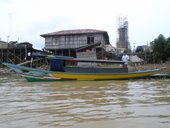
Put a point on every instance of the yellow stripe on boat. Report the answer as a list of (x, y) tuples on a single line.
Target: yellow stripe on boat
[(93, 76)]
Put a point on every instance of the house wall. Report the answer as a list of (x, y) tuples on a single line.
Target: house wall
[(71, 41), (86, 55), (3, 45)]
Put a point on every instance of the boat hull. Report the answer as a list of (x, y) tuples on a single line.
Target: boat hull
[(105, 76), (41, 79)]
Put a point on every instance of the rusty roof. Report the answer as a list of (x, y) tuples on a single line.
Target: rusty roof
[(88, 46), (73, 32)]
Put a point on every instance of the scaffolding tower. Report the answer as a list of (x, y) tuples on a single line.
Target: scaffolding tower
[(122, 42)]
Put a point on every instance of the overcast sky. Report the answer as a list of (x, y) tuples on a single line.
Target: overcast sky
[(26, 20)]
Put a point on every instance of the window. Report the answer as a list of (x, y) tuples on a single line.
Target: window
[(90, 39)]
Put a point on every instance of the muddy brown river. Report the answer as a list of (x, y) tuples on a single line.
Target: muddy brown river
[(84, 104)]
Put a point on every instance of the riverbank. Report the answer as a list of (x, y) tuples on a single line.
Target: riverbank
[(5, 70), (165, 67)]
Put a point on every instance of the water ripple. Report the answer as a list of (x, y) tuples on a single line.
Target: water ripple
[(32, 105)]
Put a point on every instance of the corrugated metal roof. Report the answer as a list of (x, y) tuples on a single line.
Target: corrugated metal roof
[(73, 32), (2, 41)]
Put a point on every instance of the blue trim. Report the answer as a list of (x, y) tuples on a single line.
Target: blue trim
[(12, 66)]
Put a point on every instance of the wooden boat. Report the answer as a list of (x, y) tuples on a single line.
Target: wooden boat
[(59, 70), (32, 74), (105, 76), (99, 73), (33, 78), (20, 69)]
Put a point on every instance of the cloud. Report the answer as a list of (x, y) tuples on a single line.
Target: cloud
[(30, 18)]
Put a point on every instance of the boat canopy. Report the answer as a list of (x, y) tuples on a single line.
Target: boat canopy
[(57, 65), (68, 58)]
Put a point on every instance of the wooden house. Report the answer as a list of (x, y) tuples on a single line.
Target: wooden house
[(3, 45), (66, 42)]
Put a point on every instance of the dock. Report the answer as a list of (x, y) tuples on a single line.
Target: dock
[(14, 52)]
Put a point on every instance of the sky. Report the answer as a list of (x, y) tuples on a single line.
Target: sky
[(26, 20)]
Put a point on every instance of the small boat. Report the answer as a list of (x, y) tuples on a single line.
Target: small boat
[(33, 78), (97, 73), (105, 76), (32, 74), (21, 69)]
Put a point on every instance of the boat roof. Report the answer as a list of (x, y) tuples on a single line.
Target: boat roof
[(99, 61), (68, 58)]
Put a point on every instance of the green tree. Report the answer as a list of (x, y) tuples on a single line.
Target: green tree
[(159, 46), (168, 48)]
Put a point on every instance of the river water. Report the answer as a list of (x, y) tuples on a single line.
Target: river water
[(84, 104)]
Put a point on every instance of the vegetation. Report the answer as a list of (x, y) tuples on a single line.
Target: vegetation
[(158, 52)]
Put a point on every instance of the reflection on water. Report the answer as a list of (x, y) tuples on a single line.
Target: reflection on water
[(71, 103)]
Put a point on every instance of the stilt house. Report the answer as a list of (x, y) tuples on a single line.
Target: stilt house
[(66, 42)]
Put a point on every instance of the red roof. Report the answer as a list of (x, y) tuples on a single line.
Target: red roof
[(73, 32)]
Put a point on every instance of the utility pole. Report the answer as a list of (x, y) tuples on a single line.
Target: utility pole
[(8, 39), (10, 27)]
